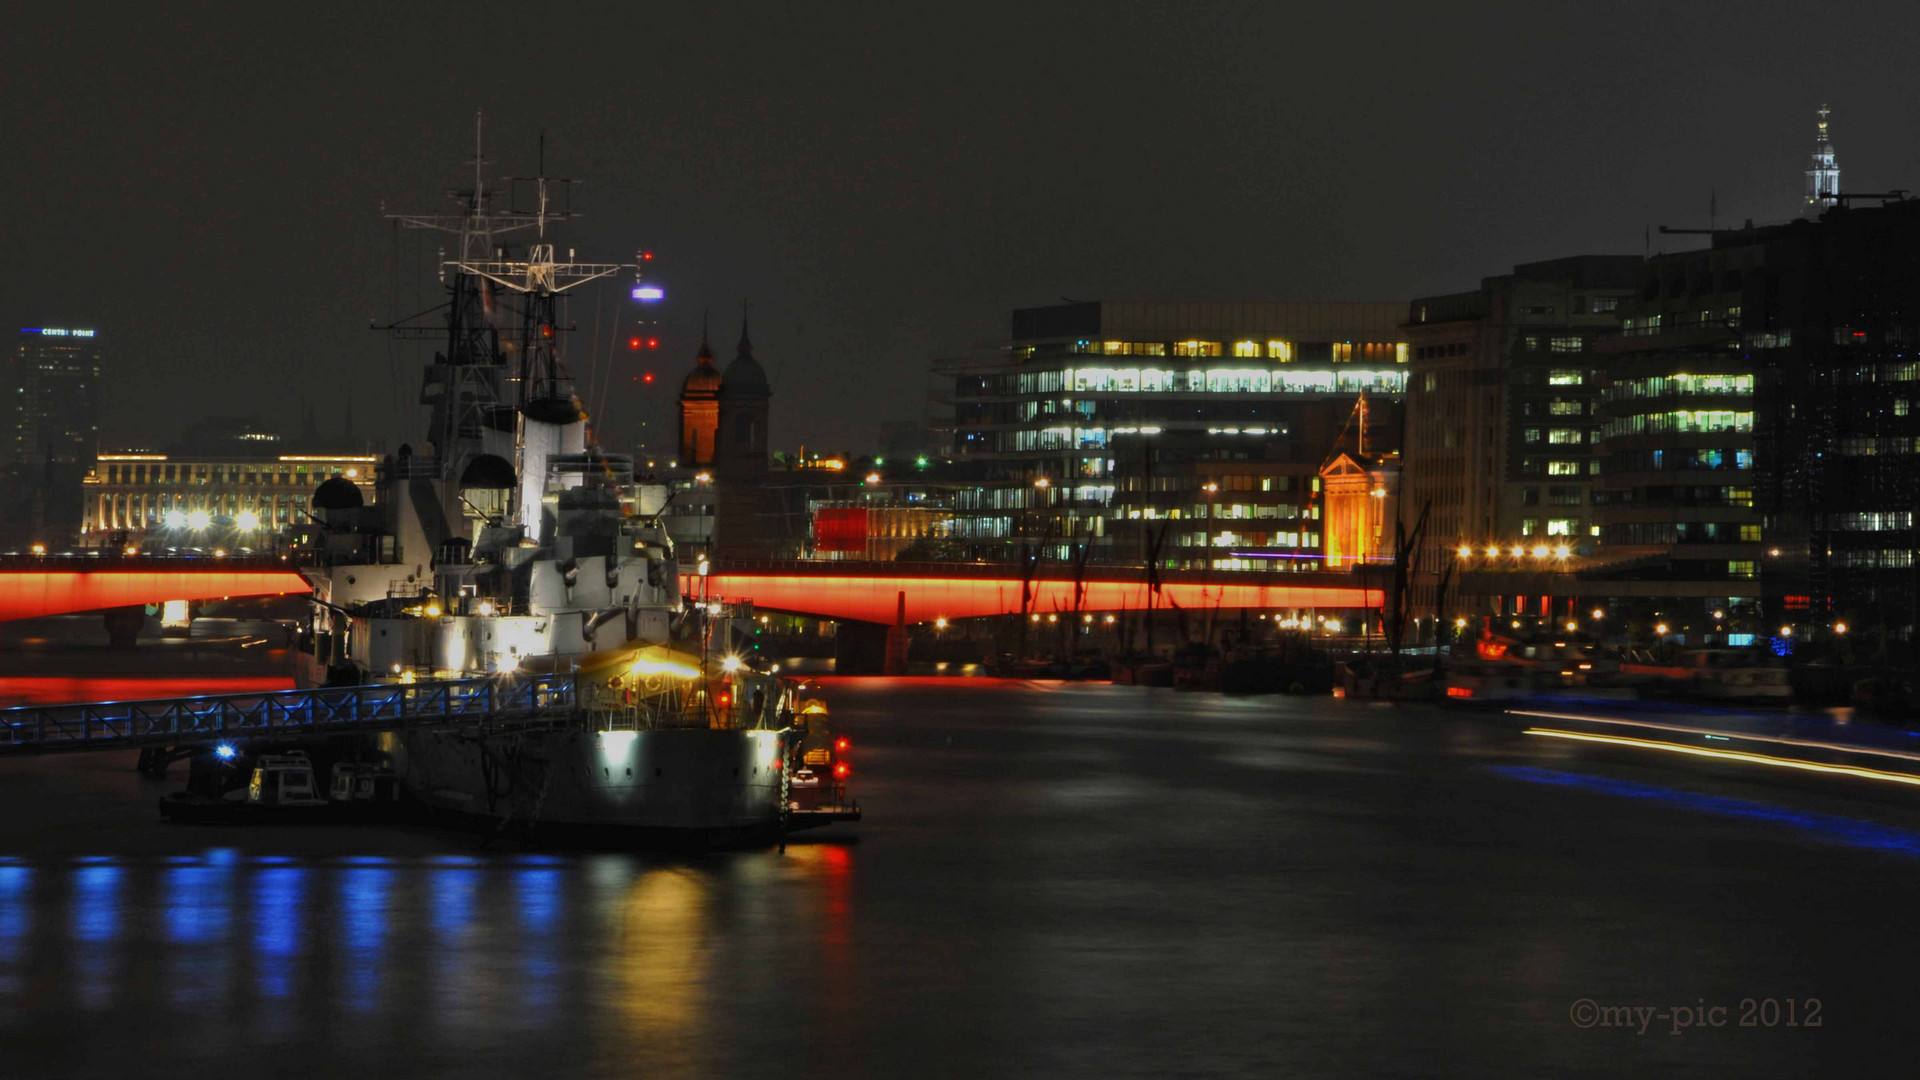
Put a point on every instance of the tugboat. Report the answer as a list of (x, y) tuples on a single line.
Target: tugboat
[(511, 544)]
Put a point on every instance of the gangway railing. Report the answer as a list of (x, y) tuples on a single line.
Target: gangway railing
[(121, 725)]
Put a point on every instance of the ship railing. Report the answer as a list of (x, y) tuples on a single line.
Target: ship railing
[(604, 717), (108, 725)]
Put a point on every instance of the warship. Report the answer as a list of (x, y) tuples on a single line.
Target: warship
[(509, 544)]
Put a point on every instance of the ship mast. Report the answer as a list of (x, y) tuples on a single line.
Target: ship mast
[(473, 368), (549, 418)]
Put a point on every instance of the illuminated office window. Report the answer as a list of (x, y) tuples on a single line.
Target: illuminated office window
[(1280, 350), (1246, 348)]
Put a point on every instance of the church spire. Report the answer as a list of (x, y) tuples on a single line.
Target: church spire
[(746, 343), (705, 355), (1823, 178)]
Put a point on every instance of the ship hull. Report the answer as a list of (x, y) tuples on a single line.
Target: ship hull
[(668, 788)]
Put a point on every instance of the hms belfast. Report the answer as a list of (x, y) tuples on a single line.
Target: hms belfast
[(510, 545)]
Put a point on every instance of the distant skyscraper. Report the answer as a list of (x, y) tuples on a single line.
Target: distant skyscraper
[(51, 401), (49, 430), (1823, 179)]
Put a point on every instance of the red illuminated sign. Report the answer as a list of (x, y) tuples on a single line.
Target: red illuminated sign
[(840, 528)]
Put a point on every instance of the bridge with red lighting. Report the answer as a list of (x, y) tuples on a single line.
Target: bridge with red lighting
[(39, 585), (872, 591), (36, 586)]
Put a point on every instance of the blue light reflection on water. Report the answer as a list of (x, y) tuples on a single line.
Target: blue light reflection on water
[(15, 883), (538, 891), (196, 904), (196, 900), (278, 895), (451, 887), (452, 896), (1851, 831), (363, 905), (94, 921), (16, 917)]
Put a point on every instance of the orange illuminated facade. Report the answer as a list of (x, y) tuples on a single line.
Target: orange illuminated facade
[(1359, 514)]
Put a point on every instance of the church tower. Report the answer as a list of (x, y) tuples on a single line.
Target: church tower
[(740, 454), (700, 408), (1823, 178)]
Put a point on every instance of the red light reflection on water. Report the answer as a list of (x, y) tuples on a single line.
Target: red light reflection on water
[(61, 689), (838, 864)]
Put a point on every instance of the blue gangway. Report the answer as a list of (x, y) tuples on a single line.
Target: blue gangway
[(123, 725)]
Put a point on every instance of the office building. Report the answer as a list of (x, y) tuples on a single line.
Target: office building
[(1096, 415), (1502, 436)]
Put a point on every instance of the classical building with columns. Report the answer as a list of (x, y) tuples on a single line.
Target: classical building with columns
[(172, 500)]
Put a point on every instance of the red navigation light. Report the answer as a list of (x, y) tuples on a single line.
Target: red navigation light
[(646, 256), (648, 377), (653, 343), (633, 343), (725, 698), (840, 746), (841, 770), (546, 331)]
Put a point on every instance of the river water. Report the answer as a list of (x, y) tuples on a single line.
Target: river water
[(1052, 879)]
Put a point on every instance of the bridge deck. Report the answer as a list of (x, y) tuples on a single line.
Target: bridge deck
[(124, 725)]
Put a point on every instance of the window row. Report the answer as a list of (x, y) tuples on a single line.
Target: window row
[(1680, 420), (1667, 385), (1232, 381), (1866, 521), (1633, 461)]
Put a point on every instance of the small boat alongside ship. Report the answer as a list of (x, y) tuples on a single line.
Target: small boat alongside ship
[(281, 791)]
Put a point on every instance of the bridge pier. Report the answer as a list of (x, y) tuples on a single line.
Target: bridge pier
[(123, 625), (897, 639), (860, 648)]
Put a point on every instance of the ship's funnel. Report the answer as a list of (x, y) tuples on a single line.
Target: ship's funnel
[(541, 441)]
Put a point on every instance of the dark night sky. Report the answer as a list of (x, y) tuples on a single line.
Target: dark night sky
[(884, 183)]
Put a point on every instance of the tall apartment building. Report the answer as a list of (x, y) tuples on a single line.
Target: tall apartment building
[(1097, 415), (1502, 437)]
